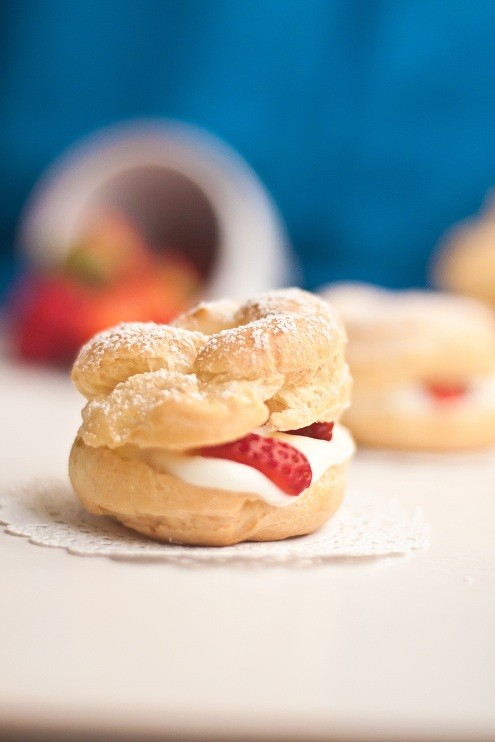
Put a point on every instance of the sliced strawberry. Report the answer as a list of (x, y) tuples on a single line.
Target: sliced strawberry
[(323, 431), (288, 468), (445, 392)]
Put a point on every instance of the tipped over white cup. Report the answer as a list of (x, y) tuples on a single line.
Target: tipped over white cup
[(182, 185)]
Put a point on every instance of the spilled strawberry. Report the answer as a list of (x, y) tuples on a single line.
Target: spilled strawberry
[(110, 248), (46, 318), (288, 468), (322, 431)]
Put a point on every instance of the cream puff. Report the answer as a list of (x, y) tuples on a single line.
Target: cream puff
[(465, 260), (220, 428), (423, 365)]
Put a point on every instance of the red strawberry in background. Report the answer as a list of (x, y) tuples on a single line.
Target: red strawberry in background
[(286, 466), (46, 323), (109, 248), (157, 294), (143, 298), (110, 276), (181, 278)]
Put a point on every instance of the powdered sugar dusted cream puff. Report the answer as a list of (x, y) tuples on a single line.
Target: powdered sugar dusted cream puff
[(423, 365), (465, 261), (221, 428)]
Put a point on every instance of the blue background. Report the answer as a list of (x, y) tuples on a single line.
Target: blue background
[(371, 122)]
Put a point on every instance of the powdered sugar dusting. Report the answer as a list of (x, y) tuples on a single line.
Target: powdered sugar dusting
[(260, 338), (209, 317), (131, 370), (146, 392), (125, 336), (146, 339), (258, 334)]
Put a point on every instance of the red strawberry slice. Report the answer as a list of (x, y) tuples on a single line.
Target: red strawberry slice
[(322, 431), (288, 468), (446, 392)]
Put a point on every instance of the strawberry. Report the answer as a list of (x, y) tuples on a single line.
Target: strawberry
[(110, 248), (140, 298), (46, 319), (447, 392), (322, 431), (181, 276), (55, 313), (287, 467)]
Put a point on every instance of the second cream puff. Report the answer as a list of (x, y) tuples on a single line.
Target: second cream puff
[(423, 365)]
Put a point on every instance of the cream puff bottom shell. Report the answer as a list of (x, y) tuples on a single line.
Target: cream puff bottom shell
[(167, 508), (444, 428)]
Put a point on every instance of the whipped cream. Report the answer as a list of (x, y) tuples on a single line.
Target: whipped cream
[(202, 471), (414, 397)]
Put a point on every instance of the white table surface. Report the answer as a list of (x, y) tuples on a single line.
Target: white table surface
[(396, 648)]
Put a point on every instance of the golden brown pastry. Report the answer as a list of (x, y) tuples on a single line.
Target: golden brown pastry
[(218, 429), (423, 365), (465, 261)]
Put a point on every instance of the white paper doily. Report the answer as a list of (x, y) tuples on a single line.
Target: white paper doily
[(366, 526)]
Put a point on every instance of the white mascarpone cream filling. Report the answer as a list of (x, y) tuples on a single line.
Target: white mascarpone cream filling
[(202, 471), (415, 397)]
